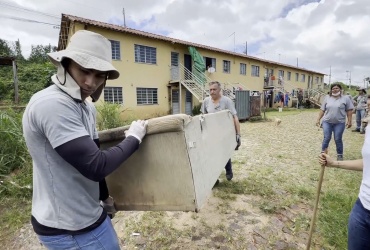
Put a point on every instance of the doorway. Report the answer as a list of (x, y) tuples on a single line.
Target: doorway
[(189, 103), (188, 66), (175, 102)]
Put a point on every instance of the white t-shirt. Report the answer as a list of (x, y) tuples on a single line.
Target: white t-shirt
[(365, 184)]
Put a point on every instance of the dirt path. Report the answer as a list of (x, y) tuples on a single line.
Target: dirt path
[(264, 207)]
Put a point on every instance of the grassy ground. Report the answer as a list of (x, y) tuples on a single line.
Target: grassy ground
[(15, 202), (268, 205)]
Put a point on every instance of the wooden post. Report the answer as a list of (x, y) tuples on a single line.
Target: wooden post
[(16, 97), (313, 219)]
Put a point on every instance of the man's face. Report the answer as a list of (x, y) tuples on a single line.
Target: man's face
[(88, 79), (214, 91)]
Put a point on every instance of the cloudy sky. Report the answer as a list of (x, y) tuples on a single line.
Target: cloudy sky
[(326, 36)]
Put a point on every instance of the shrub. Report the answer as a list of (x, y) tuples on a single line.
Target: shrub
[(13, 150), (109, 116), (196, 110)]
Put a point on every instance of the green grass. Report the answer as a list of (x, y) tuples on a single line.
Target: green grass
[(15, 174), (16, 167), (277, 184), (109, 116), (155, 227), (298, 187), (13, 150), (337, 200), (15, 201)]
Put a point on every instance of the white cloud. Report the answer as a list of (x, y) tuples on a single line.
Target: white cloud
[(319, 33)]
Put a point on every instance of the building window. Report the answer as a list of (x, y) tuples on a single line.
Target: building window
[(255, 70), (113, 94), (296, 77), (116, 51), (281, 74), (321, 80), (226, 66), (145, 54), (210, 62), (243, 69), (174, 59), (303, 78), (289, 75), (317, 80), (145, 96)]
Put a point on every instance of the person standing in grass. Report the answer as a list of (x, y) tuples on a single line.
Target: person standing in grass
[(286, 99), (361, 100), (217, 102), (69, 169), (359, 219), (333, 112)]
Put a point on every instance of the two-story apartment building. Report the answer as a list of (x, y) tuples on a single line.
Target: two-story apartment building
[(158, 76)]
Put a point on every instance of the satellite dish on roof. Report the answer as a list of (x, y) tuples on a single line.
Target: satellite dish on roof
[(211, 70)]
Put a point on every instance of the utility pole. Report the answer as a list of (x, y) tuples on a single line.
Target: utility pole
[(297, 62), (246, 48), (124, 17), (329, 77), (367, 80), (15, 78), (234, 39), (349, 78)]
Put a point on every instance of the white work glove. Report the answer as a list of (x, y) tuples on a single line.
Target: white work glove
[(137, 129)]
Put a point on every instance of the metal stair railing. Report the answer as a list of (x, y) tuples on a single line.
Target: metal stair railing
[(195, 83), (228, 89), (316, 96)]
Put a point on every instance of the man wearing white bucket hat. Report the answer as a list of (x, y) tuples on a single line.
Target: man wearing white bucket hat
[(59, 129)]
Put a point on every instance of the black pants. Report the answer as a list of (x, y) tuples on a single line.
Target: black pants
[(228, 166)]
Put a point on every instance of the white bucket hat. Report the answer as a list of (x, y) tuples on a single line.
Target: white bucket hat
[(90, 50)]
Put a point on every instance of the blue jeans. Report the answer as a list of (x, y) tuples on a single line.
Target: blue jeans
[(102, 237), (359, 228), (360, 114), (337, 129)]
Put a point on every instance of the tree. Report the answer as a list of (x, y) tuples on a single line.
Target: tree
[(33, 74), (18, 51), (39, 53), (5, 49)]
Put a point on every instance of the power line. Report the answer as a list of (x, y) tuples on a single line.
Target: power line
[(5, 4), (27, 20)]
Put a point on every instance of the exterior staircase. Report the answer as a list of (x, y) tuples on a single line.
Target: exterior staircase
[(195, 83), (276, 84), (230, 88), (316, 96)]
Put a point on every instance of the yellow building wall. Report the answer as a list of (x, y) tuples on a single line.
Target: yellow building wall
[(140, 75)]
